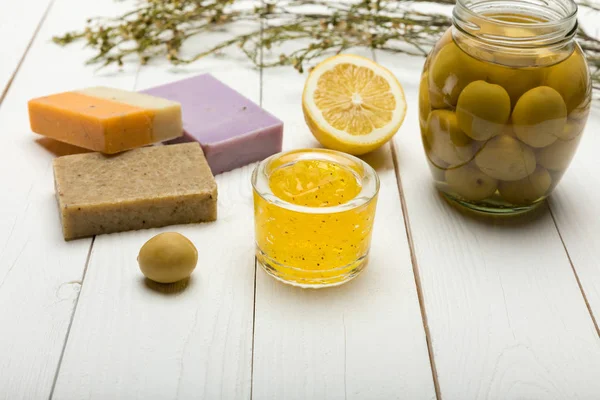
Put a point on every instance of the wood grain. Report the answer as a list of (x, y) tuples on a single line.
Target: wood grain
[(506, 316), (363, 340), (40, 274), (19, 22), (134, 339)]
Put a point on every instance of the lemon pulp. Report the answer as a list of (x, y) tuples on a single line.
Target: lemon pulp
[(354, 99), (352, 104)]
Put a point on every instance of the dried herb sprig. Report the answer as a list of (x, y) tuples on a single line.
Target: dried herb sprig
[(158, 28)]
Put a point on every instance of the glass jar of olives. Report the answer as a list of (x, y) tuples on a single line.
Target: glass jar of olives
[(503, 101)]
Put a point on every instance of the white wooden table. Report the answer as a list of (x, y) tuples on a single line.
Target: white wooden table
[(451, 306)]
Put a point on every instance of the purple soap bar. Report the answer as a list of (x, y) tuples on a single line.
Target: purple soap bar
[(232, 130)]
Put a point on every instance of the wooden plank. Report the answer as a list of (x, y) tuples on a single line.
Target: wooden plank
[(363, 340), (19, 22), (574, 206), (574, 203), (40, 274), (129, 340), (505, 314)]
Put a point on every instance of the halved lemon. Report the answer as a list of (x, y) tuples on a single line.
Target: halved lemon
[(353, 104)]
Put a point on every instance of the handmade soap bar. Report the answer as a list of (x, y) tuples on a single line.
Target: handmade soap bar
[(105, 119), (232, 130), (143, 188)]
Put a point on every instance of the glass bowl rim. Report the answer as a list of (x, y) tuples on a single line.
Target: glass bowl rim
[(365, 196)]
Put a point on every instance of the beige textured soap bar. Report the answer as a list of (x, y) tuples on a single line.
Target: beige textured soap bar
[(143, 188)]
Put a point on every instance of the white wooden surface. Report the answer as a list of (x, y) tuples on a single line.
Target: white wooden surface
[(194, 342), (506, 317), (575, 208), (19, 21), (363, 340), (501, 307), (574, 204), (40, 274)]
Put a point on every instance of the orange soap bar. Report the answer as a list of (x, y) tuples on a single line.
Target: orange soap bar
[(105, 119)]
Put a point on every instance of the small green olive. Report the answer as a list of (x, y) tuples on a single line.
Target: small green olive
[(571, 79), (539, 116), (168, 257), (451, 70), (558, 156), (482, 110), (470, 183), (446, 140), (505, 158), (526, 190)]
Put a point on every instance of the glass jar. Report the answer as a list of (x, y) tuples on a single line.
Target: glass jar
[(503, 101), (313, 213)]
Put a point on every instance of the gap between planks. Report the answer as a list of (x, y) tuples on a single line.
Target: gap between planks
[(260, 102), (416, 274), (415, 265), (85, 268), (587, 304), (62, 352), (35, 33), (94, 238)]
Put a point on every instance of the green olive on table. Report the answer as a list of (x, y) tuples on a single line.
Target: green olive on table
[(470, 183), (445, 139), (539, 116), (168, 257), (526, 190), (505, 158), (482, 110)]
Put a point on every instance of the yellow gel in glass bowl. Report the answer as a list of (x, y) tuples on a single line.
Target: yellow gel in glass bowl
[(314, 212)]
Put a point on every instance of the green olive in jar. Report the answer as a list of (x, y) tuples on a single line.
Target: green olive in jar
[(527, 190), (539, 116), (482, 110), (558, 156), (570, 78), (424, 103), (516, 81), (509, 130), (470, 183), (445, 139), (573, 128), (438, 170), (451, 70), (506, 158), (168, 257)]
